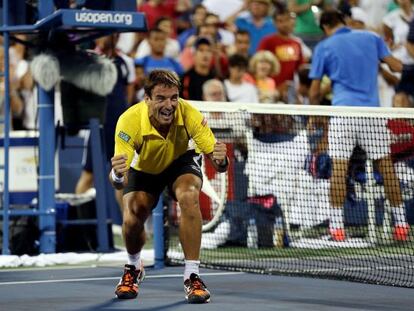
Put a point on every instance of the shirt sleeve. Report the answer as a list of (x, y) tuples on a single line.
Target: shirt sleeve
[(198, 129), (124, 138), (382, 47), (318, 63)]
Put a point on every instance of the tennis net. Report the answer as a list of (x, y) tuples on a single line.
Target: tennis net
[(311, 190)]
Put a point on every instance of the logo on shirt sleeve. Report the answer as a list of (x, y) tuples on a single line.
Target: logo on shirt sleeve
[(124, 136), (204, 122)]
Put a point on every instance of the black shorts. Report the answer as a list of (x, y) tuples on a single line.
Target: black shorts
[(406, 84), (188, 163)]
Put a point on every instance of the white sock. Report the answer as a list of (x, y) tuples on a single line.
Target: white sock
[(191, 266), (135, 259), (399, 215), (337, 218)]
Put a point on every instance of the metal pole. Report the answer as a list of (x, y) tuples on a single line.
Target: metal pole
[(6, 197), (158, 228), (46, 157), (99, 176), (47, 171)]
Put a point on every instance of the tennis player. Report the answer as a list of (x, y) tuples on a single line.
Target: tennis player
[(152, 152), (351, 59)]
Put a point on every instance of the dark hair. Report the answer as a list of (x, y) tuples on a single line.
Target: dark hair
[(155, 30), (161, 77), (237, 60), (162, 19), (198, 6), (242, 32), (280, 12), (331, 18)]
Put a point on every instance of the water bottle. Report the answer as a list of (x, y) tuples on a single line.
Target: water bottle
[(252, 235), (278, 233)]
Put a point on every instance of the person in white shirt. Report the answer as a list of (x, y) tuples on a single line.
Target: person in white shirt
[(396, 28), (172, 48), (238, 90)]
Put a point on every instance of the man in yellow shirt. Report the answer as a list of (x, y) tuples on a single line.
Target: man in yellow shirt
[(151, 152)]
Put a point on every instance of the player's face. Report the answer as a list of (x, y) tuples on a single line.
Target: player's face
[(162, 104)]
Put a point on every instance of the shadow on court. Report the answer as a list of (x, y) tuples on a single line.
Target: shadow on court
[(92, 288), (116, 304)]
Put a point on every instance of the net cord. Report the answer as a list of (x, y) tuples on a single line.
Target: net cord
[(305, 110)]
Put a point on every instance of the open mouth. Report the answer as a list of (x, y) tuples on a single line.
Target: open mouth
[(167, 114)]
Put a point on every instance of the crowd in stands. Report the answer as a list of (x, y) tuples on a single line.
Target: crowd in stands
[(255, 48), (252, 51)]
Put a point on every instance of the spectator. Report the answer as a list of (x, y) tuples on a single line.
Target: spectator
[(350, 59), (386, 79), (375, 10), (157, 40), (117, 102), (238, 90), (396, 28), (16, 101), (257, 22), (213, 90), (241, 44), (306, 23), (154, 9), (197, 18), (139, 84), (408, 70), (219, 60), (222, 35), (287, 50), (262, 66), (193, 80), (172, 47)]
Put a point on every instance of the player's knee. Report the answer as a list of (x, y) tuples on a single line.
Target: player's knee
[(188, 198), (135, 211)]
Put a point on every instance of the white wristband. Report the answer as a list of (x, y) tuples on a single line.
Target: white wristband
[(116, 179)]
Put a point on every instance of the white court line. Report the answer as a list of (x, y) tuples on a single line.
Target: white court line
[(164, 276)]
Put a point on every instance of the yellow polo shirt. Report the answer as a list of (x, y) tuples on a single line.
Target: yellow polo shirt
[(151, 153)]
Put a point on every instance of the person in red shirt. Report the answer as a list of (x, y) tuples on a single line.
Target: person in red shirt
[(286, 48), (154, 9)]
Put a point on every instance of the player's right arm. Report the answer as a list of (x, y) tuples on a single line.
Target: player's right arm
[(124, 151)]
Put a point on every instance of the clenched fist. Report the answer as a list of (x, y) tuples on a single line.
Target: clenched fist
[(119, 165)]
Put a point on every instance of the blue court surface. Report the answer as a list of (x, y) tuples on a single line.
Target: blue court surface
[(92, 288)]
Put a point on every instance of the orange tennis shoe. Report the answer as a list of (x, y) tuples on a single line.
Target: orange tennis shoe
[(195, 290), (127, 287), (400, 232), (338, 234)]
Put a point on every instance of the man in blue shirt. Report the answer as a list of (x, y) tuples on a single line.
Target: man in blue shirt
[(257, 22), (351, 60), (157, 40)]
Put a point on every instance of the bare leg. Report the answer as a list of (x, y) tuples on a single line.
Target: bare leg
[(119, 199), (391, 183), (85, 182), (187, 190), (393, 194), (338, 183), (137, 209)]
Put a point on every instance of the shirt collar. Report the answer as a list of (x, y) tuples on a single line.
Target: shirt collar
[(342, 30)]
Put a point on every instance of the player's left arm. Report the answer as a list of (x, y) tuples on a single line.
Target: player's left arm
[(204, 138), (219, 157)]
